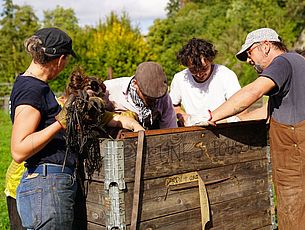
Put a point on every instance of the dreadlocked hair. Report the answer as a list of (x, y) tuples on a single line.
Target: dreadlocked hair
[(77, 78), (84, 125), (193, 52), (95, 84)]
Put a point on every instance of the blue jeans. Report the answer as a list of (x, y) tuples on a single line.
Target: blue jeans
[(46, 200)]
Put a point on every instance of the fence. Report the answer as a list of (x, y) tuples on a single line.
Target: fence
[(5, 90)]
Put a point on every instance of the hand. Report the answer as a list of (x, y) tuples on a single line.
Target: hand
[(136, 127), (181, 118), (61, 117), (202, 119), (212, 123)]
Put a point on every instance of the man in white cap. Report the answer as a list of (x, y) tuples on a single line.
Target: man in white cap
[(281, 77)]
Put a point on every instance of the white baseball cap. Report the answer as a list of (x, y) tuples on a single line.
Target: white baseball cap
[(259, 35)]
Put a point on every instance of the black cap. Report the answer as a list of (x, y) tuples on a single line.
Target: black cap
[(55, 42), (151, 79)]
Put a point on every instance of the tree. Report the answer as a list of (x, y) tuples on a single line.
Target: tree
[(17, 24), (114, 44), (61, 18), (65, 20), (225, 24)]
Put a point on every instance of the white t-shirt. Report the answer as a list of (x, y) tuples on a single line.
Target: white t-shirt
[(197, 97)]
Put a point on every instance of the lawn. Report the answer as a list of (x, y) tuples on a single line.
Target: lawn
[(5, 159)]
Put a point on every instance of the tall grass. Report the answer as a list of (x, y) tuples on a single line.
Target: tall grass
[(5, 159)]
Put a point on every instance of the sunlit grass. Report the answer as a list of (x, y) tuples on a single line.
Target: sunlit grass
[(5, 159)]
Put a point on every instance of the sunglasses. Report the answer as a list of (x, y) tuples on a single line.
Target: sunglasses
[(252, 48)]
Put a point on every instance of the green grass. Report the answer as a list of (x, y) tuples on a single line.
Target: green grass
[(5, 159)]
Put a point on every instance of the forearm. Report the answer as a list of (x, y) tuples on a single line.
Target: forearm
[(181, 115), (131, 124), (179, 110), (243, 98), (126, 123), (237, 103), (22, 149), (257, 114)]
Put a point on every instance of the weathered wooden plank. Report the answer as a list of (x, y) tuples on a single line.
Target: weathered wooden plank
[(192, 151), (268, 227), (93, 226), (250, 212), (96, 213), (245, 213), (235, 181), (230, 158), (125, 134)]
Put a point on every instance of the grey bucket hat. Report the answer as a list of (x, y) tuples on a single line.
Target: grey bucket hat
[(259, 35)]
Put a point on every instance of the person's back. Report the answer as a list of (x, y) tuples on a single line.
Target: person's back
[(286, 104)]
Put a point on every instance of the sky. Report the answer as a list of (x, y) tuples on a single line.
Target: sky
[(141, 12)]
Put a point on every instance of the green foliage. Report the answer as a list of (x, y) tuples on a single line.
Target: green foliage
[(114, 44), (172, 7), (225, 24), (5, 159), (61, 18), (65, 20), (16, 25)]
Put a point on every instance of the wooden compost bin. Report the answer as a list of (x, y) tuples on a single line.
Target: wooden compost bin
[(232, 160)]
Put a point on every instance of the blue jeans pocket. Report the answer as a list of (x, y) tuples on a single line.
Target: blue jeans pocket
[(29, 203)]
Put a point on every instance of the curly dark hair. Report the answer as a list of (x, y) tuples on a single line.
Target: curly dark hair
[(194, 51)]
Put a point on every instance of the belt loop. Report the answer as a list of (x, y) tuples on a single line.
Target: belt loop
[(44, 170)]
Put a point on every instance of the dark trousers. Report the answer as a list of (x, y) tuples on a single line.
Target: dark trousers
[(15, 222)]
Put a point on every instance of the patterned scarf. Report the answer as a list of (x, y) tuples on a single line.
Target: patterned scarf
[(145, 113)]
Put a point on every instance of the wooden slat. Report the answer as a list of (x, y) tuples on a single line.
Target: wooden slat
[(192, 151), (245, 179), (246, 213), (125, 134), (93, 226), (232, 161), (137, 183)]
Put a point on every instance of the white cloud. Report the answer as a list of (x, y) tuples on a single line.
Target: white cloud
[(88, 12)]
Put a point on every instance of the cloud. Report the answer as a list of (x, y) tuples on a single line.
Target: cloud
[(89, 12)]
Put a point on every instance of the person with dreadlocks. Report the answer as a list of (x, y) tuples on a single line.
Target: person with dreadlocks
[(87, 121), (143, 96), (203, 85), (93, 89), (46, 193)]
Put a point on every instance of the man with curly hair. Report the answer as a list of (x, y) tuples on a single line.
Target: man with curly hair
[(203, 85)]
